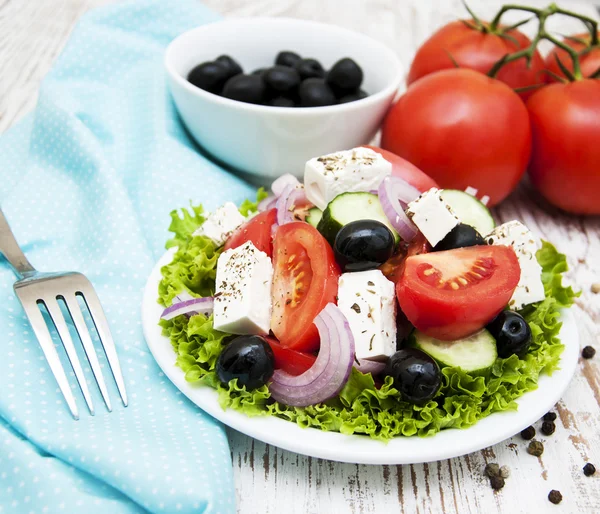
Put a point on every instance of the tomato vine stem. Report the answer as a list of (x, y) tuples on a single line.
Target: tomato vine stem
[(542, 15), (512, 7), (590, 23)]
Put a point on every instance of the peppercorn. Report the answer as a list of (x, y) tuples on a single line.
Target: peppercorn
[(497, 483), (492, 470), (555, 497), (595, 288), (504, 471), (528, 433), (548, 427), (589, 469), (550, 416), (535, 448), (588, 352)]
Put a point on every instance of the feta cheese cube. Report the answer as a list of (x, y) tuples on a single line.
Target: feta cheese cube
[(220, 224), (432, 216), (530, 288), (368, 301), (243, 291), (359, 169)]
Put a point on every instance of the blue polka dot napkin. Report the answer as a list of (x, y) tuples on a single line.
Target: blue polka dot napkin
[(87, 181)]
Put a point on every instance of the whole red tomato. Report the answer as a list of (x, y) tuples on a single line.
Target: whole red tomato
[(589, 60), (478, 49), (462, 129), (565, 158)]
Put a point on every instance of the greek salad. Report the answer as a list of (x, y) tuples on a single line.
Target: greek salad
[(365, 300)]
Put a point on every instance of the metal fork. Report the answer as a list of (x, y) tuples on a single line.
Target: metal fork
[(34, 288)]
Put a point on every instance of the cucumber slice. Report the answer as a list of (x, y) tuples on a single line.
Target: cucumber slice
[(473, 354), (469, 210), (349, 207), (314, 216)]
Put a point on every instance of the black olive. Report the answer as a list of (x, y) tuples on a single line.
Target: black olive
[(352, 97), (245, 88), (403, 329), (345, 77), (512, 334), (416, 375), (459, 237), (250, 359), (363, 245), (232, 66), (281, 101), (309, 68), (287, 58), (281, 79), (315, 93), (259, 71), (210, 76)]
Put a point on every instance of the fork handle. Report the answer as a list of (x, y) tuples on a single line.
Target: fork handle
[(10, 249)]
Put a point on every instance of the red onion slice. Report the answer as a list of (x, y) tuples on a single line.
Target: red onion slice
[(366, 366), (394, 195), (274, 228), (194, 306), (290, 198), (267, 203), (330, 371), (282, 182), (184, 296)]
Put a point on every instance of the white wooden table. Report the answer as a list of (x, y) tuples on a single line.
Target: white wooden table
[(270, 480)]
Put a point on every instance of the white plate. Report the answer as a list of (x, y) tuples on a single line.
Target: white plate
[(360, 449)]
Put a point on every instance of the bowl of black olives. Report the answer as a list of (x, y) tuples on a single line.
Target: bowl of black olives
[(264, 95)]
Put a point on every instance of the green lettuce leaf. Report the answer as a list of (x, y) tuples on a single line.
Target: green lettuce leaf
[(194, 267), (193, 270), (362, 407), (183, 226), (249, 207), (554, 264)]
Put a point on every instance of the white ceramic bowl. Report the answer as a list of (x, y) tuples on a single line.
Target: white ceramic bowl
[(264, 142)]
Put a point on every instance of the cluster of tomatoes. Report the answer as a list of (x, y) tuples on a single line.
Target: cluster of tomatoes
[(464, 128)]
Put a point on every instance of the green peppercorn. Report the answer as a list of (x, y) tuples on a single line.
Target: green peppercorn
[(535, 448), (492, 470)]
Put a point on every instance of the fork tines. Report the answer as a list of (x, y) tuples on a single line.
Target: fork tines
[(50, 289)]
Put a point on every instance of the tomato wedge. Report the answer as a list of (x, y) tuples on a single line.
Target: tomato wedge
[(257, 230), (305, 281), (452, 294), (291, 361)]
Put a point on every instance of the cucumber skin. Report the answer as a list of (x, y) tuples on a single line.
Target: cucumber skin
[(488, 223), (314, 216), (329, 227), (482, 372)]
